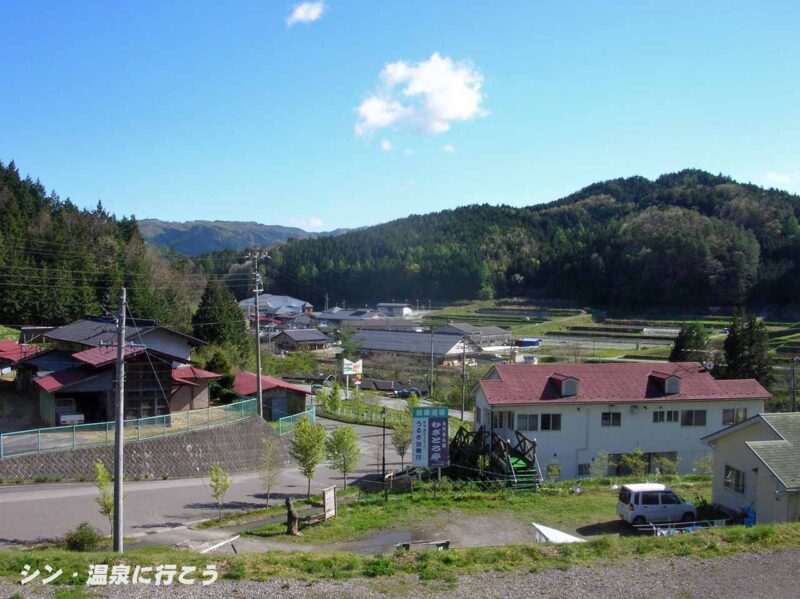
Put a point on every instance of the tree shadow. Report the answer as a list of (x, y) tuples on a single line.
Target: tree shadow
[(612, 527)]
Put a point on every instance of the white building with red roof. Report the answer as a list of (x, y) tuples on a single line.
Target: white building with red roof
[(576, 411)]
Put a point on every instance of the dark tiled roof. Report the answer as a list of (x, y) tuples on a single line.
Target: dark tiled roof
[(99, 330), (305, 335)]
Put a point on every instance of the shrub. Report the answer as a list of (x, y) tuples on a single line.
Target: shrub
[(379, 566), (85, 537), (235, 572), (553, 471)]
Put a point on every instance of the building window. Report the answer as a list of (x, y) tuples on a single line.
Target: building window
[(665, 416), (693, 418), (611, 419), (733, 415), (734, 479), (551, 422), (584, 469), (510, 420), (527, 422), (478, 416)]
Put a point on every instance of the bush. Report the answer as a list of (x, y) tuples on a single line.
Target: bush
[(379, 566), (235, 572), (85, 537)]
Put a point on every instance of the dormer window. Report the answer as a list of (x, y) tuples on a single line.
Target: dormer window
[(669, 384), (567, 386)]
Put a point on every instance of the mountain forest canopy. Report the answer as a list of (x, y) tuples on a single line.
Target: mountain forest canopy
[(59, 263), (686, 239)]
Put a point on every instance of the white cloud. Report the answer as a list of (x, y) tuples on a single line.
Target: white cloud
[(449, 148), (788, 181), (408, 151), (305, 12), (386, 145), (311, 222), (428, 96)]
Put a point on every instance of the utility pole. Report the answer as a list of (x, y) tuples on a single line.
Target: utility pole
[(119, 423), (463, 376), (326, 302), (430, 386), (257, 290), (794, 386), (383, 459)]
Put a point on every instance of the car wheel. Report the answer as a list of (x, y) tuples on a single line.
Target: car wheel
[(638, 520), (688, 517)]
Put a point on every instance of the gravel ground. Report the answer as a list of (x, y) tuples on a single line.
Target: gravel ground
[(770, 575)]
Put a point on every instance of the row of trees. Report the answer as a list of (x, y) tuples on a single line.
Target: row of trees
[(745, 351)]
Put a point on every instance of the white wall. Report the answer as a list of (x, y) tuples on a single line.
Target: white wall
[(168, 343), (581, 436)]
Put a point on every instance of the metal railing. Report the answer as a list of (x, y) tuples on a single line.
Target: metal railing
[(60, 438), (287, 424)]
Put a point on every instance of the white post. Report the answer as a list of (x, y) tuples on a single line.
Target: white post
[(119, 435)]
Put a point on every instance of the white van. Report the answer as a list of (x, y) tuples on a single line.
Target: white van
[(652, 502)]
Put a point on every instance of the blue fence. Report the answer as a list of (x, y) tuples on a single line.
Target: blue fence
[(287, 424), (60, 438)]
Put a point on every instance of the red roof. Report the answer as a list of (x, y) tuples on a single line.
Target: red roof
[(188, 375), (244, 383), (14, 352), (610, 383), (105, 354), (65, 378)]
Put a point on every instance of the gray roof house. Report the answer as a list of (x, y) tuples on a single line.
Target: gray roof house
[(443, 347), (757, 464), (488, 336), (283, 305), (302, 339)]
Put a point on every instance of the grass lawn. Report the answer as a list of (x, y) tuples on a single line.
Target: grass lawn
[(554, 506), (8, 333), (427, 565)]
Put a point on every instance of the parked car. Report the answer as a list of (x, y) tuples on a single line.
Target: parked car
[(401, 393), (317, 388), (67, 412), (641, 503), (414, 391)]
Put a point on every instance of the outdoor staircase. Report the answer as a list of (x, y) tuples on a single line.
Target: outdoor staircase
[(525, 477)]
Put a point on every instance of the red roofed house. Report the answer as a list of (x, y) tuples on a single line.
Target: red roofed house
[(279, 397), (77, 373), (575, 411)]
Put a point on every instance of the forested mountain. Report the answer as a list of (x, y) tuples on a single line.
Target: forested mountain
[(58, 262), (203, 236), (688, 238)]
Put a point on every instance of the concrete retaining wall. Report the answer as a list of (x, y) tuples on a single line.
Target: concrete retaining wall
[(237, 446)]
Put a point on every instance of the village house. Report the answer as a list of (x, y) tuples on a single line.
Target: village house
[(448, 350), (75, 371), (279, 398), (576, 411), (757, 466), (302, 340), (398, 309), (282, 309), (486, 337)]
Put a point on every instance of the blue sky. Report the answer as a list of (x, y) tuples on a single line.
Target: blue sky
[(211, 110)]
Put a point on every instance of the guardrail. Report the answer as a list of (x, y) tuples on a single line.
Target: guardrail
[(287, 424), (60, 438)]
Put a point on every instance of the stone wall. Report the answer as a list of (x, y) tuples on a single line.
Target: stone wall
[(237, 446)]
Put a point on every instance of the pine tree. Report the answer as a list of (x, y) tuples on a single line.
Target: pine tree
[(747, 350), (219, 321)]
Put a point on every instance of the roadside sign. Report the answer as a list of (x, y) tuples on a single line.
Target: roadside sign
[(329, 500), (349, 367), (429, 437)]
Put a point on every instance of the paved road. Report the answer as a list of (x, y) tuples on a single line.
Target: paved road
[(45, 511)]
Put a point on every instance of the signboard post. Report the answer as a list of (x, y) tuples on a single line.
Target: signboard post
[(329, 500), (429, 437), (349, 368)]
